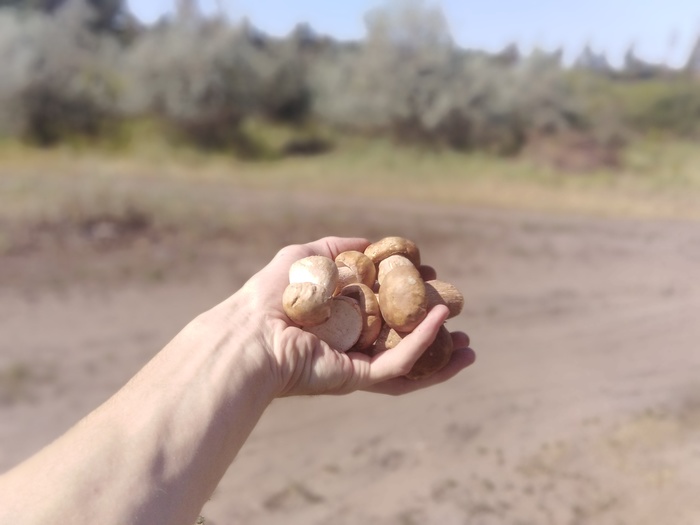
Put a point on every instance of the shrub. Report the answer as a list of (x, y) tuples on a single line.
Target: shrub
[(408, 78), (670, 106), (58, 80), (205, 77)]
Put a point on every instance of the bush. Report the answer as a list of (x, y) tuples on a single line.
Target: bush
[(206, 77), (409, 79), (203, 80), (671, 106), (58, 80)]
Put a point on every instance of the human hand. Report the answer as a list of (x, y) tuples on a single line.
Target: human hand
[(305, 365)]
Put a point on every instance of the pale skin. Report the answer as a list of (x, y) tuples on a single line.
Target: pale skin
[(155, 451)]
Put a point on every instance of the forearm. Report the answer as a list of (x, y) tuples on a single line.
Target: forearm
[(155, 452)]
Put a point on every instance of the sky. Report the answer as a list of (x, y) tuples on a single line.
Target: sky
[(661, 30)]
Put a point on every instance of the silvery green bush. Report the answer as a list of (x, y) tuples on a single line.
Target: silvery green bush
[(58, 77), (409, 78), (204, 77)]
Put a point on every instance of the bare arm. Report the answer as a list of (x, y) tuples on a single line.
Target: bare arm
[(155, 452)]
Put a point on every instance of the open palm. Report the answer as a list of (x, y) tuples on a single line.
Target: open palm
[(306, 365)]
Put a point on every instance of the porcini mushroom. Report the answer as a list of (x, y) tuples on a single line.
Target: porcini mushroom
[(371, 315), (312, 282), (306, 304), (315, 269), (344, 326), (389, 246), (389, 264), (440, 292), (387, 339), (402, 299), (361, 265)]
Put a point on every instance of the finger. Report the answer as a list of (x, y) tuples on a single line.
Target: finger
[(327, 246), (333, 246), (428, 273), (461, 359), (276, 273), (399, 361)]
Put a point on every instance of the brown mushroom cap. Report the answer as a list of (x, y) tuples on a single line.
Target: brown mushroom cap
[(316, 269), (389, 264), (306, 304), (387, 339), (428, 273), (440, 292), (363, 266), (371, 315), (346, 277), (344, 326), (403, 299), (393, 246), (435, 357)]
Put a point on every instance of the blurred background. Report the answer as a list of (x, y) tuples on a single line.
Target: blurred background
[(544, 156)]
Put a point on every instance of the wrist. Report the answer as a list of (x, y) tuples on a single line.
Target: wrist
[(233, 343)]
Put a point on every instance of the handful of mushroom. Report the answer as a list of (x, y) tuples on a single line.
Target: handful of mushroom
[(368, 302)]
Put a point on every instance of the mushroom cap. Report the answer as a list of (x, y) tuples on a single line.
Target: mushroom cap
[(388, 264), (344, 326), (435, 357), (371, 315), (346, 277), (315, 269), (403, 299), (306, 304), (389, 246), (440, 292), (363, 266), (387, 339)]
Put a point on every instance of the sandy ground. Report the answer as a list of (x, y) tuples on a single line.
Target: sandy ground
[(583, 407)]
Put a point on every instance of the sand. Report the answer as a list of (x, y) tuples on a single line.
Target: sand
[(583, 406)]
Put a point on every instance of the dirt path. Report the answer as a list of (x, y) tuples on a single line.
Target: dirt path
[(583, 408)]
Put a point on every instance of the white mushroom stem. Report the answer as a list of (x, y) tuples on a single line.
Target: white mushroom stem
[(371, 315)]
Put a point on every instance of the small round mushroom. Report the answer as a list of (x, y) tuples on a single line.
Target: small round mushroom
[(371, 315), (363, 267), (344, 326), (387, 339), (315, 269), (402, 299), (393, 246), (440, 292), (306, 304), (389, 264)]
